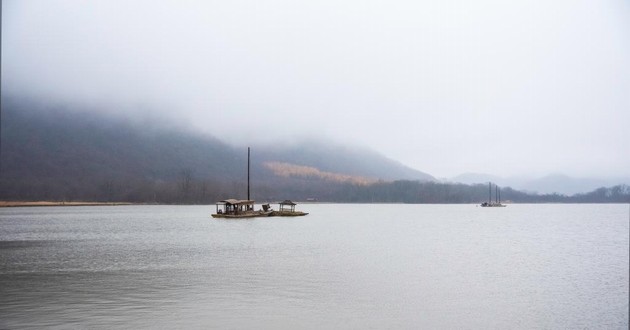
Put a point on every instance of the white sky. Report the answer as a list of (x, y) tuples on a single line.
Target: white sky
[(502, 87)]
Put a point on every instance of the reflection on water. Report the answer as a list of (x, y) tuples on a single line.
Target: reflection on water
[(343, 266)]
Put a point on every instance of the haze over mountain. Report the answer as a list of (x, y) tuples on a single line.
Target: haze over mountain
[(512, 88)]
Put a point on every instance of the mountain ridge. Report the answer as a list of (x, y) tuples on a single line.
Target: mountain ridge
[(64, 153)]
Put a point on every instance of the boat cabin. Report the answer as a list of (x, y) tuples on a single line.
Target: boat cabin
[(235, 206), (287, 205)]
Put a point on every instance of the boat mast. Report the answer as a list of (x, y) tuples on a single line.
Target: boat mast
[(489, 192), (247, 173)]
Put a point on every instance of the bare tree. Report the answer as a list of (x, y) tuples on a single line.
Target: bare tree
[(185, 184)]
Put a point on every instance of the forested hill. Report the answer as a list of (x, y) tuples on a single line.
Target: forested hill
[(50, 153), (64, 154)]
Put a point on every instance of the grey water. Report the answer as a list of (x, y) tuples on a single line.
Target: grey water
[(343, 266)]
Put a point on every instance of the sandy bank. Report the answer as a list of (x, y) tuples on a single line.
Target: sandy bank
[(47, 203)]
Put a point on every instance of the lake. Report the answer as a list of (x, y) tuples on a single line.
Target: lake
[(356, 266)]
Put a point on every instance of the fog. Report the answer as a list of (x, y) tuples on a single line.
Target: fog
[(501, 87)]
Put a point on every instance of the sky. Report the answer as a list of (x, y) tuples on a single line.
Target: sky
[(446, 87)]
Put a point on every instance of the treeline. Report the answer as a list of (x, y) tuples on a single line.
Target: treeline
[(433, 192), (186, 189), (183, 191)]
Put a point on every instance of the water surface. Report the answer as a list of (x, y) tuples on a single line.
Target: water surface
[(342, 266)]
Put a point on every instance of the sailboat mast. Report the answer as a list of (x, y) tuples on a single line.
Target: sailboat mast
[(489, 192), (248, 173), (496, 194)]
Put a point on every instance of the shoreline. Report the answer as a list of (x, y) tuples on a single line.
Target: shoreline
[(49, 203)]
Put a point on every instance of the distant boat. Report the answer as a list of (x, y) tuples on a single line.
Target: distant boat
[(497, 202), (287, 209), (236, 208)]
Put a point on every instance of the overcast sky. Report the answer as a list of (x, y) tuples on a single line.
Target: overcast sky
[(447, 87)]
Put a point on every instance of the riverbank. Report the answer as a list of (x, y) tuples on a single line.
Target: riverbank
[(48, 203)]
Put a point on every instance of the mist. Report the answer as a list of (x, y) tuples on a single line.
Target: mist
[(517, 88)]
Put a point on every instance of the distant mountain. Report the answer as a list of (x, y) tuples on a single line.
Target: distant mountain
[(56, 153), (473, 178), (555, 183), (567, 185), (61, 153), (332, 157)]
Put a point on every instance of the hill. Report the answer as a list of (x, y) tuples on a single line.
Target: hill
[(66, 154), (331, 157), (62, 153)]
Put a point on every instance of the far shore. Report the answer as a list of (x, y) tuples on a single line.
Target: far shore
[(48, 203)]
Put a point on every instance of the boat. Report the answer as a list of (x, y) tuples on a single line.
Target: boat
[(287, 209), (237, 208), (497, 202)]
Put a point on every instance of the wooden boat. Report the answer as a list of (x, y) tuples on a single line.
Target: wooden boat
[(497, 202), (287, 209), (234, 208)]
